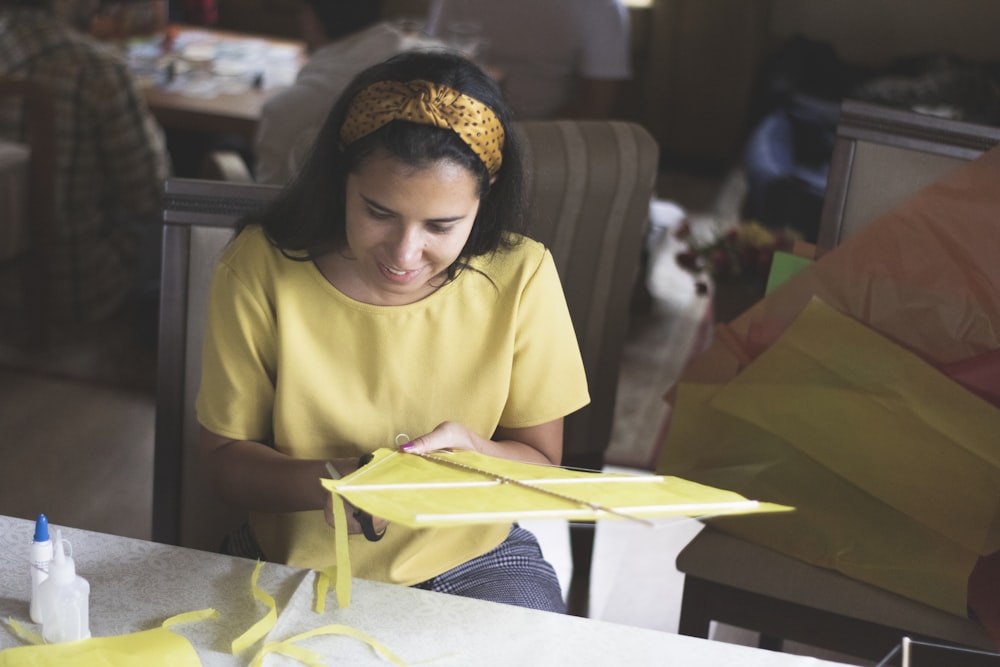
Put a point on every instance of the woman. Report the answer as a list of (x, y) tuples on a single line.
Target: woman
[(387, 291)]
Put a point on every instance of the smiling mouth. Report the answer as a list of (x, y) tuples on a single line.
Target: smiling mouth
[(397, 275)]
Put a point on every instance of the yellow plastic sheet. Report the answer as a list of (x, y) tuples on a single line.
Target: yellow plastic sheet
[(892, 466), (150, 648)]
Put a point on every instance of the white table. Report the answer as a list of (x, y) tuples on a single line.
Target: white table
[(135, 585)]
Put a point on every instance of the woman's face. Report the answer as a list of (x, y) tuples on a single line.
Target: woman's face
[(405, 226)]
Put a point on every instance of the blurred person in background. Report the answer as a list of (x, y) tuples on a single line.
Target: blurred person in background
[(557, 58), (110, 163), (343, 37)]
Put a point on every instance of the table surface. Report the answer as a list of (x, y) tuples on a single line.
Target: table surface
[(135, 585), (212, 80)]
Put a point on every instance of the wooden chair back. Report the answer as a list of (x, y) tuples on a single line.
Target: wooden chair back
[(882, 156), (199, 219)]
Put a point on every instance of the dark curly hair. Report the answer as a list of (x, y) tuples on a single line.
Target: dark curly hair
[(308, 218)]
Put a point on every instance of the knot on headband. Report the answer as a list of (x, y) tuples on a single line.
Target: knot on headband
[(428, 104)]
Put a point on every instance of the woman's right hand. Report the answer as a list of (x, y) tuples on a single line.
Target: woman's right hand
[(353, 525), (344, 466), (258, 478)]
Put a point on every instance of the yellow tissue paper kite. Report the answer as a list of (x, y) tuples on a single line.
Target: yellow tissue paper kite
[(450, 488), (892, 466)]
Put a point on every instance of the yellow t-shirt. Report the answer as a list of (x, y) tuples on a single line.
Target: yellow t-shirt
[(290, 359)]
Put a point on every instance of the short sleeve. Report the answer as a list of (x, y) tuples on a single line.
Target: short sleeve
[(236, 396), (548, 379)]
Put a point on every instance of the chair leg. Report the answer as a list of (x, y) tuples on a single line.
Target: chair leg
[(771, 643), (695, 620), (581, 542)]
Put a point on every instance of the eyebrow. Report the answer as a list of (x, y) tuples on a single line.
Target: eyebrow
[(375, 204)]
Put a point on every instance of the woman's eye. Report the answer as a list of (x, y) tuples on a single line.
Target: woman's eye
[(439, 229), (379, 215)]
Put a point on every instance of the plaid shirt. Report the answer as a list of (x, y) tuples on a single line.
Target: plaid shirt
[(111, 159)]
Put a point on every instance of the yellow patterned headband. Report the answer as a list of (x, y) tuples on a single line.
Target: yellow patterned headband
[(430, 104)]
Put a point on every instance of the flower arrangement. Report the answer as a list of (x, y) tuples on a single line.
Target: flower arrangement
[(741, 252)]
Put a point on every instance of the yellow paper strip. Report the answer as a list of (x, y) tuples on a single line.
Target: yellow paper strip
[(190, 617), (342, 552), (322, 586), (303, 655), (24, 633), (264, 625), (287, 647)]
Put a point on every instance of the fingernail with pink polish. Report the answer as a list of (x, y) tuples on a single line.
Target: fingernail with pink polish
[(405, 447)]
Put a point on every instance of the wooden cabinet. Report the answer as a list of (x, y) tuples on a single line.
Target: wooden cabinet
[(703, 56)]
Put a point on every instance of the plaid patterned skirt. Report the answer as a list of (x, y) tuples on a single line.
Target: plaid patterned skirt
[(513, 573)]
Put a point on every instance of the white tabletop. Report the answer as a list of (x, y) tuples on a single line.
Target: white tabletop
[(135, 585)]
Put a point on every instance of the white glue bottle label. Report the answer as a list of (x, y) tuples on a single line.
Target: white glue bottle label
[(64, 599), (41, 556)]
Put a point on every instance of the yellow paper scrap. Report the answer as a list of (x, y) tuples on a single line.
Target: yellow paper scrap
[(342, 553), (262, 626), (190, 617), (24, 633), (149, 648), (322, 587), (290, 648)]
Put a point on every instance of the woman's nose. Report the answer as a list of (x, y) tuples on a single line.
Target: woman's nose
[(407, 245)]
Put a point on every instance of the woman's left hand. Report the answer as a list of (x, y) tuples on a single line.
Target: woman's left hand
[(447, 435), (532, 444)]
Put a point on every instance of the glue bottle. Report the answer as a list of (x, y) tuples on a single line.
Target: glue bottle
[(64, 599), (41, 556)]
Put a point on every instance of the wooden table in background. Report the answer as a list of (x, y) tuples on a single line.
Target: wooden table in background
[(225, 112)]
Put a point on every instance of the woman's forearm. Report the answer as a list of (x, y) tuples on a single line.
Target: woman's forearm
[(256, 477)]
